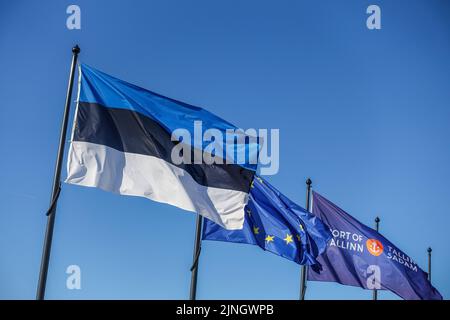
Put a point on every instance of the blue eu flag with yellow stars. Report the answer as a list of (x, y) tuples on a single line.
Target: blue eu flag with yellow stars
[(276, 224)]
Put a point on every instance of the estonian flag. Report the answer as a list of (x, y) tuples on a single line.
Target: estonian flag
[(122, 142)]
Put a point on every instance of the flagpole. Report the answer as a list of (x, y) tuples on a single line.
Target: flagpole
[(429, 263), (196, 256), (56, 183), (304, 269), (377, 227)]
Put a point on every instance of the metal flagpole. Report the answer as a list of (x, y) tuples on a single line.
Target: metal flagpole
[(197, 249), (56, 183), (429, 263), (304, 267), (377, 227)]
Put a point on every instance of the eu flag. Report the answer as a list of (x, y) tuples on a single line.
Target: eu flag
[(360, 256), (276, 224)]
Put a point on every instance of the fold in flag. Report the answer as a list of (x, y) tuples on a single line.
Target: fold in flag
[(277, 225), (123, 140), (360, 256)]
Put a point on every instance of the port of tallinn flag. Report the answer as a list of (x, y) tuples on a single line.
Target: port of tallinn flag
[(122, 142), (360, 256)]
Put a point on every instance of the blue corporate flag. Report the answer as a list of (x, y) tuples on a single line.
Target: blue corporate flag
[(360, 256), (132, 141), (277, 225)]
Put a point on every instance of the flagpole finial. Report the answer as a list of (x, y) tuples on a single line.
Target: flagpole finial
[(308, 181), (429, 250), (377, 219), (76, 49)]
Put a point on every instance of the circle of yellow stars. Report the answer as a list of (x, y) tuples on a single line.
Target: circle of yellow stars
[(270, 238)]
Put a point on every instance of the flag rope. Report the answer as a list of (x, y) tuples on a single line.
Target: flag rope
[(52, 207), (197, 256)]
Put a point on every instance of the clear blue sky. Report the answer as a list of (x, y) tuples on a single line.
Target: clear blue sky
[(364, 113)]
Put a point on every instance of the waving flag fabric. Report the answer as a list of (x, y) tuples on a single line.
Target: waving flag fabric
[(277, 225), (122, 142), (360, 256)]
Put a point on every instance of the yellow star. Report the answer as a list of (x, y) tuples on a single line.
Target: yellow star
[(255, 230), (301, 227), (298, 238), (252, 186), (249, 212), (288, 239), (269, 239), (260, 180)]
